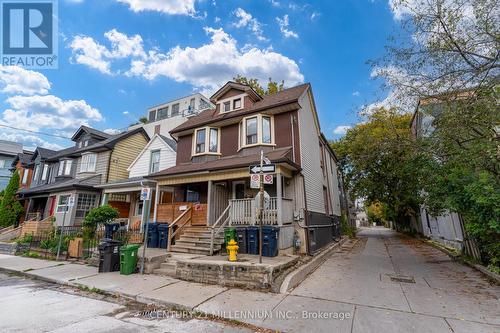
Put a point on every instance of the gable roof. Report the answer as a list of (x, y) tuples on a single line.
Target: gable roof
[(238, 86), (43, 152), (91, 131), (24, 158), (286, 96), (166, 141), (106, 144)]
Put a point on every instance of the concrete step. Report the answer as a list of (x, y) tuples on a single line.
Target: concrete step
[(197, 234), (190, 249), (164, 271), (172, 265)]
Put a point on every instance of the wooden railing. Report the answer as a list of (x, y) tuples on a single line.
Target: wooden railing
[(244, 212), (33, 216), (180, 222), (221, 222)]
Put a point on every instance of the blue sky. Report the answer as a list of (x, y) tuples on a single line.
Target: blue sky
[(118, 57)]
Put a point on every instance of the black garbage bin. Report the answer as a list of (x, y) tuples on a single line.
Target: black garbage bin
[(162, 235), (241, 239), (109, 255), (253, 240), (110, 229), (153, 235), (270, 241)]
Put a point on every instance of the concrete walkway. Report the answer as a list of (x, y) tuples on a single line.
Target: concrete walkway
[(355, 290)]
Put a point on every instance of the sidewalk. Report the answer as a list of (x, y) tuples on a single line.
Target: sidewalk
[(166, 291)]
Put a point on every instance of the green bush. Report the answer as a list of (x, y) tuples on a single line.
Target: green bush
[(346, 228)]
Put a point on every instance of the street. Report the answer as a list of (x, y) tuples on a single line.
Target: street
[(381, 281)]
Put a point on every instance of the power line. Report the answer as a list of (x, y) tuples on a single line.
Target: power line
[(35, 132)]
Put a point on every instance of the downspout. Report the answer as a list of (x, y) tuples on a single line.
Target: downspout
[(293, 137)]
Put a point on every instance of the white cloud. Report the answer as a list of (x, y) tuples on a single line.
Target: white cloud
[(246, 20), (112, 131), (283, 24), (17, 80), (356, 93), (87, 51), (341, 130), (315, 15), (212, 64), (171, 7)]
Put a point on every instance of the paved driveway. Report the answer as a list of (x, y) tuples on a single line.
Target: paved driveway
[(391, 283)]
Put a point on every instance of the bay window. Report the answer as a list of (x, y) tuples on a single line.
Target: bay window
[(45, 171), (200, 141), (256, 130), (206, 141), (62, 203), (88, 162), (65, 167), (85, 203), (61, 168), (251, 131)]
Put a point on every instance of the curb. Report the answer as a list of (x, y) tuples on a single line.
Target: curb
[(456, 257), (297, 276)]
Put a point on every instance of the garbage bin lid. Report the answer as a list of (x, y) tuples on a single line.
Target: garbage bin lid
[(129, 247)]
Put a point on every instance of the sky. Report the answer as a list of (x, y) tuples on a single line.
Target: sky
[(119, 57)]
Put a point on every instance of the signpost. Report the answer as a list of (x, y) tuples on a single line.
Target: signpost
[(146, 197), (69, 203)]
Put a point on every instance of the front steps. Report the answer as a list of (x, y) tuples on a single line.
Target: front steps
[(196, 240)]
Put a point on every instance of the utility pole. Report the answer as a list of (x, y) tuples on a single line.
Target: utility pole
[(261, 191)]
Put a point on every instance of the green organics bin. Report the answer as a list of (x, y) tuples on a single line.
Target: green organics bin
[(229, 233), (128, 258)]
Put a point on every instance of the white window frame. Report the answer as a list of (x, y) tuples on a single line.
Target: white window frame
[(67, 167), (85, 203), (25, 176), (151, 162), (85, 165), (60, 168), (36, 173), (61, 205), (206, 150), (231, 100), (45, 171), (2, 164), (242, 129)]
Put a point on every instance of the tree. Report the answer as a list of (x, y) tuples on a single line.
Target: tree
[(100, 215), (445, 46), (272, 86), (10, 208), (378, 161), (143, 120)]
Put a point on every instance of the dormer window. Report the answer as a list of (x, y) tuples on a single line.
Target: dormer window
[(227, 106), (80, 144), (65, 167), (237, 104), (206, 141), (256, 130)]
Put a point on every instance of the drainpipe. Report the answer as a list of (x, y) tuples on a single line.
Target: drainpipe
[(293, 137)]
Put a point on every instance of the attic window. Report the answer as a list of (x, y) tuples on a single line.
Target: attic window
[(227, 106), (237, 103)]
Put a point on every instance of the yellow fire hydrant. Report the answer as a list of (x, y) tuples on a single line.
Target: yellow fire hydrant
[(232, 247)]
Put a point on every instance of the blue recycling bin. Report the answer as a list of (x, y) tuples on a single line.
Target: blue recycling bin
[(152, 235), (110, 229), (162, 235), (253, 240), (270, 241)]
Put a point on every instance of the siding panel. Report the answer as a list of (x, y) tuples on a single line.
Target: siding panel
[(141, 166), (124, 153)]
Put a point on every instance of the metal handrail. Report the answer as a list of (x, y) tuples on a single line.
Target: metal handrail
[(213, 232), (170, 227)]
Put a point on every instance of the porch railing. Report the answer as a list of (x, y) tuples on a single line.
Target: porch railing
[(216, 228), (244, 212), (180, 222)]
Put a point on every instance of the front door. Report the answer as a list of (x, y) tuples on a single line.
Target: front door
[(239, 190), (52, 205)]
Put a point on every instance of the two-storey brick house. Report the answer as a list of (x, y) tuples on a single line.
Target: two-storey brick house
[(95, 158), (216, 147)]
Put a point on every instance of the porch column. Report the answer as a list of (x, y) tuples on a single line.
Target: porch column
[(157, 201), (209, 203), (279, 199), (105, 198)]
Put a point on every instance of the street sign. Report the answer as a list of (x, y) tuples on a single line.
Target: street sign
[(71, 201), (145, 193), (267, 200), (255, 181), (268, 179), (266, 168)]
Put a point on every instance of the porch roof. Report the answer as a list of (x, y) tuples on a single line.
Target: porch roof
[(85, 183), (281, 155), (127, 183)]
